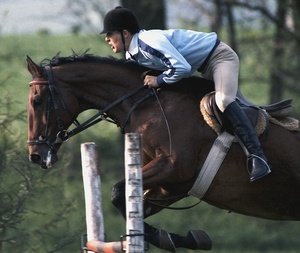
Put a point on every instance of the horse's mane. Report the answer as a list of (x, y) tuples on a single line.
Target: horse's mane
[(58, 60), (192, 85)]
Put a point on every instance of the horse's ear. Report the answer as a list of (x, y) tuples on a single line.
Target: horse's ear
[(33, 68)]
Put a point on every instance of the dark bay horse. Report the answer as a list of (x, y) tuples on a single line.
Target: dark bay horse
[(176, 140)]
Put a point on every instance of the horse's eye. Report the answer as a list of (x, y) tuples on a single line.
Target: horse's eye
[(37, 101)]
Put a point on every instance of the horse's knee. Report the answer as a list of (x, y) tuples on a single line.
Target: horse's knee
[(118, 194)]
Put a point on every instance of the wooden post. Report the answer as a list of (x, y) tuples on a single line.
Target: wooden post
[(92, 193), (134, 194)]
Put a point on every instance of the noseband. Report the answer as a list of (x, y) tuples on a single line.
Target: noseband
[(63, 134)]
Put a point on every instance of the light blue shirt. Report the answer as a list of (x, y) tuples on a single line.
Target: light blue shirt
[(176, 52)]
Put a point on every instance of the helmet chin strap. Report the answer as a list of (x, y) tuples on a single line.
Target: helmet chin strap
[(123, 40)]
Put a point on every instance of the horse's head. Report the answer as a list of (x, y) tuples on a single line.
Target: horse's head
[(50, 113)]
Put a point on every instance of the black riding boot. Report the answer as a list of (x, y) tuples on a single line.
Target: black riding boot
[(256, 163)]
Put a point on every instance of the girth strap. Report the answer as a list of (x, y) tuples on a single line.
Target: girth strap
[(211, 165)]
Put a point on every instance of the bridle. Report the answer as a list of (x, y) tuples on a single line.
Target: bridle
[(53, 103)]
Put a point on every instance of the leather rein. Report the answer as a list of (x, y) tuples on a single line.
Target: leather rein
[(63, 134)]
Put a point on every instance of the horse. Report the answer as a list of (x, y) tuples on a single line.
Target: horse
[(176, 140)]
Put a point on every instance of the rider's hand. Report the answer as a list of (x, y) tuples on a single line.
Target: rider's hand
[(151, 81)]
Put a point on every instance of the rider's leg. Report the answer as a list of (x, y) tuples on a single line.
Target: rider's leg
[(224, 69)]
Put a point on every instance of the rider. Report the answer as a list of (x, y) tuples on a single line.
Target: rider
[(179, 53)]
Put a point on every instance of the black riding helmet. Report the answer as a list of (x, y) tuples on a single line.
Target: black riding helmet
[(119, 19)]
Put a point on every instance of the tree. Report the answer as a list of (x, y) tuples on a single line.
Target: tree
[(290, 73), (13, 193), (286, 36), (151, 14), (231, 26), (24, 224), (279, 44), (89, 14), (295, 8), (269, 35)]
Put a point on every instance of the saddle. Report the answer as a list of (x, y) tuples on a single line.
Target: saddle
[(259, 116)]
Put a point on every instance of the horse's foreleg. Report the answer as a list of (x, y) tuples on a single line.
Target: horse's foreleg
[(152, 234), (158, 171), (154, 199), (118, 197)]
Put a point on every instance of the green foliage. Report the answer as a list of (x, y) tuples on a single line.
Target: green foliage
[(43, 211)]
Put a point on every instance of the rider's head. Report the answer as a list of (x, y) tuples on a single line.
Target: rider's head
[(119, 19), (120, 24)]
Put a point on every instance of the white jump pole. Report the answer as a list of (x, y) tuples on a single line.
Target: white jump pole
[(92, 193), (93, 203), (134, 194)]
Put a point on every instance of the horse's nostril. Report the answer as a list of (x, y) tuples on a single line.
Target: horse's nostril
[(34, 158)]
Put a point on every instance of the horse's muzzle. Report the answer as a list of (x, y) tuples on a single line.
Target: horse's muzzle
[(45, 162)]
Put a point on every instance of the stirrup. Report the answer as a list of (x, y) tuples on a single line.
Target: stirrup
[(257, 167)]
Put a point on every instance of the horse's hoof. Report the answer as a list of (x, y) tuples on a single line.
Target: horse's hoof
[(165, 241), (199, 240)]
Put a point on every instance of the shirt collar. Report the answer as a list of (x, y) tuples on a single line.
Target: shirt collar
[(133, 46)]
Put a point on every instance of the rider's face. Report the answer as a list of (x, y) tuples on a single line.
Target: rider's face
[(114, 40)]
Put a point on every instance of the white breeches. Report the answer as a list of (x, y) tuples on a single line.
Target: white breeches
[(223, 69)]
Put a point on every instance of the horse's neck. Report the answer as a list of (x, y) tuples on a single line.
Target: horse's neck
[(96, 89)]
